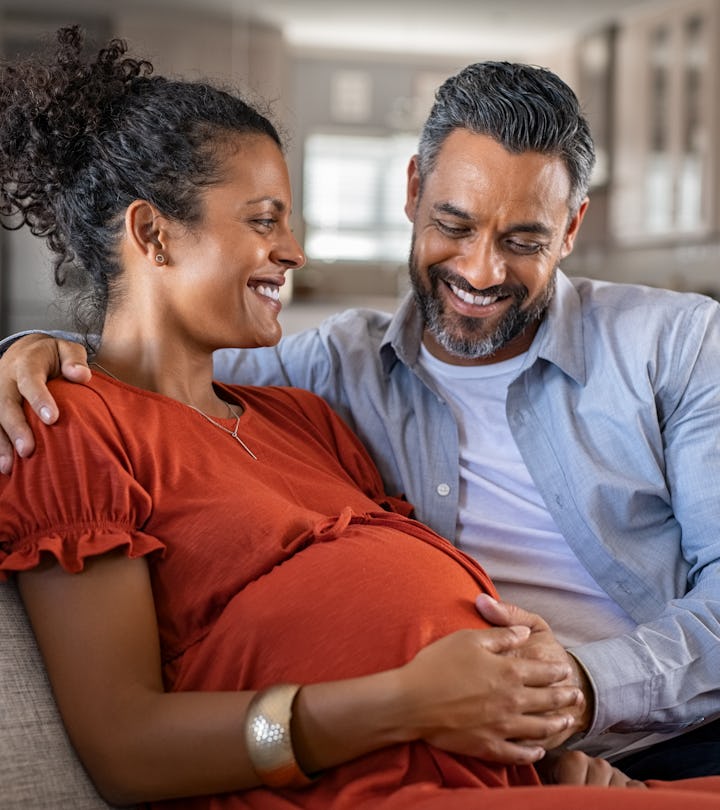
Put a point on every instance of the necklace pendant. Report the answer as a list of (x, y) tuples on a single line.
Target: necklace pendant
[(233, 432), (244, 446), (235, 436)]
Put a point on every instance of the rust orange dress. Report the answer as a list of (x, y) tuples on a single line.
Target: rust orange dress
[(294, 566)]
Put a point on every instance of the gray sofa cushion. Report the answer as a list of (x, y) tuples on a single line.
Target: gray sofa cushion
[(39, 769)]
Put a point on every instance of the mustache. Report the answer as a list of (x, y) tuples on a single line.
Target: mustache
[(438, 273)]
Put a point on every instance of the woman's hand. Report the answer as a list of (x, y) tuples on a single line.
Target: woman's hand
[(577, 768), (468, 694), (25, 369)]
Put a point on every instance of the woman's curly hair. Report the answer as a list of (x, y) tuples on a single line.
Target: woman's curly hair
[(81, 138)]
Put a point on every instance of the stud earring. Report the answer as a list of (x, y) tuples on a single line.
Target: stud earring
[(160, 258)]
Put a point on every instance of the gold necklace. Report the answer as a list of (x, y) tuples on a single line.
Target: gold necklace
[(233, 432)]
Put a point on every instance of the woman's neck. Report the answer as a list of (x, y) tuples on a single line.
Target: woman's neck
[(160, 364)]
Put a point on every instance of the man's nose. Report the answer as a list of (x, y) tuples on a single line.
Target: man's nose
[(481, 264)]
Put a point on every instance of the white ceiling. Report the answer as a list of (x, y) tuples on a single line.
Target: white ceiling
[(439, 26), (444, 27)]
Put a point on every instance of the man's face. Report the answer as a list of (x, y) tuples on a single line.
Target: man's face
[(489, 229)]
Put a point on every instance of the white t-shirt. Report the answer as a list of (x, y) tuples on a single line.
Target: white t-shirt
[(502, 519)]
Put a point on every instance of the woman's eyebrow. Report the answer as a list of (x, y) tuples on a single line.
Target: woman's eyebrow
[(277, 204)]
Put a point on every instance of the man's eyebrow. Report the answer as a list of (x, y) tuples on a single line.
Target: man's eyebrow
[(537, 228), (453, 210)]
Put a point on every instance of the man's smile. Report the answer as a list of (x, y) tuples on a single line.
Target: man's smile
[(470, 298)]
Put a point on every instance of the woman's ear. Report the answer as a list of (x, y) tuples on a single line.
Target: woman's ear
[(145, 232)]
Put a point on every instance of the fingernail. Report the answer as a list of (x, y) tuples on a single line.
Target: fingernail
[(4, 465), (19, 446), (45, 414), (520, 630)]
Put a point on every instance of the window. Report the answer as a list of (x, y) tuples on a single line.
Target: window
[(677, 132), (659, 178), (354, 196), (693, 139)]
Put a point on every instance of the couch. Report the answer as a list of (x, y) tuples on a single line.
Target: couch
[(39, 769)]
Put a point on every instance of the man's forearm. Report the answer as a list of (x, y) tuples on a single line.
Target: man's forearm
[(8, 341), (639, 687)]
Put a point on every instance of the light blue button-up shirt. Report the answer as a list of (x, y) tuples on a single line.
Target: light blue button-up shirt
[(616, 412)]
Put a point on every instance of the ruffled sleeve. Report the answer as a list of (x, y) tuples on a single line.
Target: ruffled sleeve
[(72, 546), (76, 497)]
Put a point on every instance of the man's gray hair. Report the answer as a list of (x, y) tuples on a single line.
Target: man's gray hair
[(522, 107)]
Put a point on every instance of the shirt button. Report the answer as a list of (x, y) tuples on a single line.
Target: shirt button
[(443, 490)]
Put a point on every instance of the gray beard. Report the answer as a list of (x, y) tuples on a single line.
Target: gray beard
[(459, 335)]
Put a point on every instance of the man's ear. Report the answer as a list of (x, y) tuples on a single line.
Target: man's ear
[(413, 188), (573, 228), (145, 232)]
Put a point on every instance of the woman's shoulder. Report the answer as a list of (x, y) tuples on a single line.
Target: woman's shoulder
[(102, 395), (91, 414), (96, 399)]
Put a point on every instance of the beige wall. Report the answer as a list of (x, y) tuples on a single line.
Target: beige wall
[(607, 68)]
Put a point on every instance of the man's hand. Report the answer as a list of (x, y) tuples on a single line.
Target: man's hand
[(576, 768), (24, 371), (543, 646)]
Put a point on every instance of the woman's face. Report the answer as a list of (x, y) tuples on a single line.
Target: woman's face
[(227, 271)]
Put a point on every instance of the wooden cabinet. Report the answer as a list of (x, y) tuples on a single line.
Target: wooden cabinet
[(665, 139)]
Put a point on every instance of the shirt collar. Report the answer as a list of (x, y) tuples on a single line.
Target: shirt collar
[(559, 339), (403, 336)]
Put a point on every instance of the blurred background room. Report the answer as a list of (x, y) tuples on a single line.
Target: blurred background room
[(350, 83)]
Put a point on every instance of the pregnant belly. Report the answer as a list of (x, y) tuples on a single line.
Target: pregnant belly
[(364, 601)]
